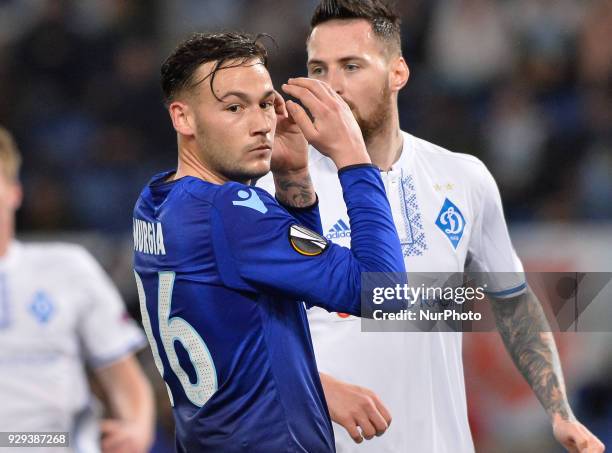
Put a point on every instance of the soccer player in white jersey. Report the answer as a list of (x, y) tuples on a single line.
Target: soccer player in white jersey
[(355, 46), (58, 310)]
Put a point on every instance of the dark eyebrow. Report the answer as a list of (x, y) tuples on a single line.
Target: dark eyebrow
[(316, 62), (269, 93), (238, 94), (243, 96), (342, 60)]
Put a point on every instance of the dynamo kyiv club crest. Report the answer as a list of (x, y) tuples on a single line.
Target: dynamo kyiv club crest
[(42, 307), (451, 222)]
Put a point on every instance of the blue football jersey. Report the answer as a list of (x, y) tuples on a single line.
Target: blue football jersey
[(221, 271)]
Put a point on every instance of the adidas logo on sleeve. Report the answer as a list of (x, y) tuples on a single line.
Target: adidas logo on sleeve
[(339, 230)]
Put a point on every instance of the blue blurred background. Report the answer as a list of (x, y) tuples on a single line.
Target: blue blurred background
[(526, 85)]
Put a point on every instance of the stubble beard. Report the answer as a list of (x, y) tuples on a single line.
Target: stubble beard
[(233, 170), (244, 176), (377, 120)]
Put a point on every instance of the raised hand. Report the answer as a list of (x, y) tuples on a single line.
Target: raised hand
[(290, 150), (333, 129), (289, 163)]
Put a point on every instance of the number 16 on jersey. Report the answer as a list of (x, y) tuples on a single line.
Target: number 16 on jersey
[(177, 329)]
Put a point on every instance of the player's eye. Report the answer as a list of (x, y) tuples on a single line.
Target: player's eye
[(267, 105), (234, 108), (316, 71), (351, 67)]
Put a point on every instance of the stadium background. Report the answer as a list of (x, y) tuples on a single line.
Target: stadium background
[(526, 85)]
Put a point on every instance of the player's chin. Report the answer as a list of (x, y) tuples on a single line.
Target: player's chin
[(259, 164), (258, 169)]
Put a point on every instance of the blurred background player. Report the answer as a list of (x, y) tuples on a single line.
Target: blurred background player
[(355, 46), (58, 312)]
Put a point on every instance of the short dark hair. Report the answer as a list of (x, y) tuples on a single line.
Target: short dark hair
[(385, 21), (178, 69)]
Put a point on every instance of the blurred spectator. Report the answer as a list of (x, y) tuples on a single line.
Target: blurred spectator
[(546, 32), (515, 135), (519, 83), (470, 46), (596, 44), (595, 184), (16, 17)]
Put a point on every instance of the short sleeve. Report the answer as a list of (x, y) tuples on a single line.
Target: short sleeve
[(106, 330), (491, 255)]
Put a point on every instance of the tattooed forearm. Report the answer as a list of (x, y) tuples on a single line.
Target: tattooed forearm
[(295, 190), (526, 334)]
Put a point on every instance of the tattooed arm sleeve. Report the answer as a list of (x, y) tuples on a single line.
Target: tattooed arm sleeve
[(529, 341)]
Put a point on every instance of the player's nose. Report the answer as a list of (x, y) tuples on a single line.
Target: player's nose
[(336, 81), (261, 122)]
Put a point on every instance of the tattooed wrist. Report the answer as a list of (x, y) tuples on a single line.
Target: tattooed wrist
[(526, 334), (295, 189)]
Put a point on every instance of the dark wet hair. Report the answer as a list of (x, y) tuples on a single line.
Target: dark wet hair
[(179, 68)]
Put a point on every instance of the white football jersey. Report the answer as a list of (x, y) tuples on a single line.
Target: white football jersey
[(58, 309), (448, 213)]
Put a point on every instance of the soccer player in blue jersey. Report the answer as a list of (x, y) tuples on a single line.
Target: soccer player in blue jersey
[(221, 266)]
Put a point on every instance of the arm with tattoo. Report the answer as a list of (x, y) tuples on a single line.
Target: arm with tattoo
[(294, 189), (526, 334), (529, 341)]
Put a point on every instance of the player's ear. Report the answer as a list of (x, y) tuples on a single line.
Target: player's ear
[(399, 74), (182, 118)]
